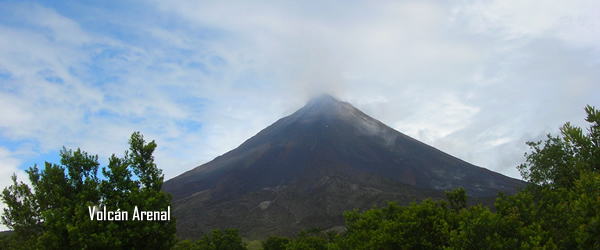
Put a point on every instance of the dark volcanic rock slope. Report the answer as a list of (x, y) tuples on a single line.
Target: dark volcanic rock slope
[(306, 169)]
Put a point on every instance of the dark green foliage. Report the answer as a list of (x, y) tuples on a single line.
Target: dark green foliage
[(218, 240), (457, 199), (478, 228), (313, 238), (433, 225), (186, 244), (422, 225), (275, 243), (12, 241), (54, 214), (426, 225), (566, 218)]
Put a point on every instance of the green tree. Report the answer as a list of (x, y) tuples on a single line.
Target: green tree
[(217, 240), (313, 238), (585, 206), (55, 212), (559, 206), (186, 244), (457, 198), (559, 161), (275, 243), (421, 226), (478, 228)]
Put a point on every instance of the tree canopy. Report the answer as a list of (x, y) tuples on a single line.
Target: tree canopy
[(59, 210)]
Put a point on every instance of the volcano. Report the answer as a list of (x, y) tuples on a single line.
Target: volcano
[(306, 169)]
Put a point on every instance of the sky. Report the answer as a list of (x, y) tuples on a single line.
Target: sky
[(476, 79)]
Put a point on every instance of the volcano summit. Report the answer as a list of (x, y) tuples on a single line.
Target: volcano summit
[(306, 169)]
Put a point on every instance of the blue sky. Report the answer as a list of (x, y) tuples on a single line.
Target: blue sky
[(476, 79)]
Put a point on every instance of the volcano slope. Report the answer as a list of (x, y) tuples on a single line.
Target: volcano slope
[(306, 169)]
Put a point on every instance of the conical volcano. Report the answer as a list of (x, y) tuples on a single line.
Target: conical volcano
[(307, 168)]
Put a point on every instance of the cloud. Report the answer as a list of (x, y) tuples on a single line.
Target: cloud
[(575, 23)]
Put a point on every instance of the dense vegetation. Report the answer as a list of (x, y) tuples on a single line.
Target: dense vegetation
[(229, 239), (559, 209), (55, 214)]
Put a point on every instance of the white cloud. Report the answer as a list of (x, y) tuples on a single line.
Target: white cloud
[(574, 22)]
